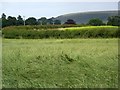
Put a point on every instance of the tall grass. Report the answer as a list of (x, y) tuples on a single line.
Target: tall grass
[(60, 63)]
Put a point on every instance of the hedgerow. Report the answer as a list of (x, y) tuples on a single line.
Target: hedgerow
[(60, 34), (43, 27)]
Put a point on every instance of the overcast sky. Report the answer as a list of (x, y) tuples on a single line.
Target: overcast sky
[(53, 9)]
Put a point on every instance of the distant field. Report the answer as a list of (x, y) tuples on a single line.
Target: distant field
[(92, 28), (60, 63)]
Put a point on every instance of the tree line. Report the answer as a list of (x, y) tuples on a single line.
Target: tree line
[(13, 21)]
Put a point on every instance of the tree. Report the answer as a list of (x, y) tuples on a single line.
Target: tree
[(20, 20), (57, 22), (4, 20), (51, 21), (11, 21), (42, 21), (95, 22), (70, 21), (114, 20), (0, 23), (31, 21), (3, 16)]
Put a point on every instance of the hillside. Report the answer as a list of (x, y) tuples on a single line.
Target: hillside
[(84, 17)]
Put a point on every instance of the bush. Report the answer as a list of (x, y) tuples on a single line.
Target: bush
[(95, 22)]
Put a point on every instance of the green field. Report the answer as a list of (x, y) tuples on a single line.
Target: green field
[(92, 28), (60, 63)]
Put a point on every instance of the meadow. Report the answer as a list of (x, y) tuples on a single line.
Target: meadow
[(60, 63)]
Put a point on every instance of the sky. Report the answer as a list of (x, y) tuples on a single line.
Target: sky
[(53, 9)]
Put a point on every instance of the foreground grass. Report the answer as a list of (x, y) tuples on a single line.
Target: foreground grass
[(63, 63)]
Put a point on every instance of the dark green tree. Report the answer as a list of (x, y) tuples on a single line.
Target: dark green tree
[(0, 23), (3, 16), (51, 21), (114, 20), (57, 22), (31, 21), (95, 22), (11, 21), (70, 21), (42, 21), (20, 20), (4, 20)]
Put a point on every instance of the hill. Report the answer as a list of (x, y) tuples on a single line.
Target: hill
[(84, 17)]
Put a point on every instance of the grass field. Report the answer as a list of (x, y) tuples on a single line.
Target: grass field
[(60, 63)]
